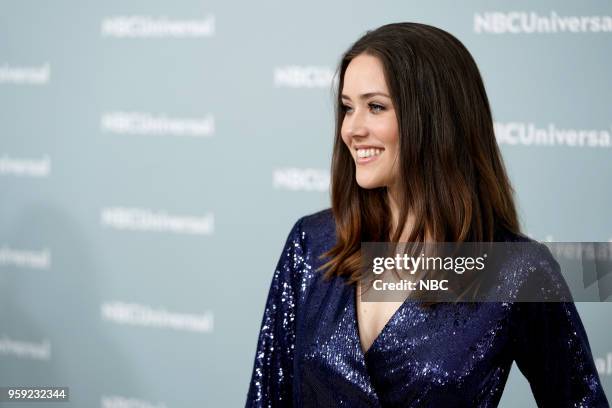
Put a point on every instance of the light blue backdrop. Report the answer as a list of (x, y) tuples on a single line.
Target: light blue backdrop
[(154, 155)]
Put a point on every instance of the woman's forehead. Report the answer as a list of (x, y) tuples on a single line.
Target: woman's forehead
[(364, 74)]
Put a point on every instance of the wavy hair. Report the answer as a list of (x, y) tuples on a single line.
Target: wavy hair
[(452, 174)]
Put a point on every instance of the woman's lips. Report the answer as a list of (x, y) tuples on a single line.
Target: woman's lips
[(366, 160), (370, 159)]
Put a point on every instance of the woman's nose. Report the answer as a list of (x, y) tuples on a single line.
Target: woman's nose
[(356, 125)]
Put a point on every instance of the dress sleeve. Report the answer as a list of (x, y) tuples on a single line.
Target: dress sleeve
[(272, 375), (552, 350)]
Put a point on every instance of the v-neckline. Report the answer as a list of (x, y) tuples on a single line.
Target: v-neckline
[(391, 320)]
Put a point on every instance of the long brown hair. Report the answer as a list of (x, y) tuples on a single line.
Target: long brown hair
[(452, 174)]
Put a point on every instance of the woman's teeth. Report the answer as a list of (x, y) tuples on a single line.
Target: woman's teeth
[(363, 153)]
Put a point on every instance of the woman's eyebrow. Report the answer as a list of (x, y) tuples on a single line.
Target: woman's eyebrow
[(366, 95)]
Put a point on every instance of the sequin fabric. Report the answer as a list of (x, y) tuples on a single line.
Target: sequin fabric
[(452, 355)]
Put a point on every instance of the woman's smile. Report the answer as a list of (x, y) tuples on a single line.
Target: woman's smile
[(370, 129), (365, 156)]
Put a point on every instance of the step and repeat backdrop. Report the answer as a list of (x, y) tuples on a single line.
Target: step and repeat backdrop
[(155, 154)]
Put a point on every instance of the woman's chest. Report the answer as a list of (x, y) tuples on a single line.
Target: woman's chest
[(456, 350), (371, 319)]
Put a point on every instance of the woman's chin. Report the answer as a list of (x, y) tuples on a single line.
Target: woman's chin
[(368, 184)]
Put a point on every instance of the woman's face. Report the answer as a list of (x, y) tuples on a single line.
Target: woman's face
[(369, 129)]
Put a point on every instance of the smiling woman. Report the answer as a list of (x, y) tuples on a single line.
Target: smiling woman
[(415, 160), (369, 128)]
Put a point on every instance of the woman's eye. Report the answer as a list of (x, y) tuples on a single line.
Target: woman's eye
[(376, 106)]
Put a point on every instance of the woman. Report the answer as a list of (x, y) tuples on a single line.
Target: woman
[(415, 159)]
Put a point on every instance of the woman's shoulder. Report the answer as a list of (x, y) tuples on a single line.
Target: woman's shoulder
[(319, 224), (522, 245), (503, 234), (317, 231), (531, 268)]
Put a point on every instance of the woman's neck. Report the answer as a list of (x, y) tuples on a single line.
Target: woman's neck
[(395, 210), (394, 207)]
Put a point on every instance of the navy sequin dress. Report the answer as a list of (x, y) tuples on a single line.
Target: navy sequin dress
[(453, 355)]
